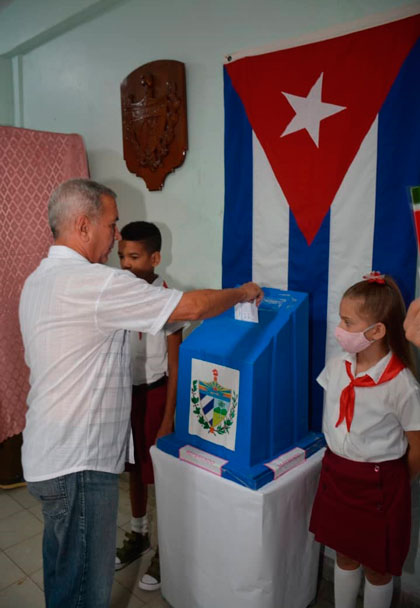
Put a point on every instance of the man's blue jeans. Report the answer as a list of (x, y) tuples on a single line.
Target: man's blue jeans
[(80, 517)]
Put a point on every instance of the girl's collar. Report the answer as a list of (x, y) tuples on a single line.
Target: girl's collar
[(375, 372)]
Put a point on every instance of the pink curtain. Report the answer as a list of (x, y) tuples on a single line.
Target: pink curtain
[(32, 164)]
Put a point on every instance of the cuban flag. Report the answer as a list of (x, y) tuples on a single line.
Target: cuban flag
[(321, 151)]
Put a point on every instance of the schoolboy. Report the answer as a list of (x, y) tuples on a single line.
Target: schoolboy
[(155, 369)]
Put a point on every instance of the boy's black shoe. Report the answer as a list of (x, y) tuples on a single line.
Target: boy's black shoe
[(134, 546)]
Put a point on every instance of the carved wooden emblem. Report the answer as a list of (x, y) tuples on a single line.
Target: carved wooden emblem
[(154, 119)]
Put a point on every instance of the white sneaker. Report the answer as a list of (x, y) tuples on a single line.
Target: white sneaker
[(150, 581)]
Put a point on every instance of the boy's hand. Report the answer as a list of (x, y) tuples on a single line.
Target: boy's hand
[(166, 428)]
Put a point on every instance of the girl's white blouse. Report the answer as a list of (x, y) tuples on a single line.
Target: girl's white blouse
[(381, 413)]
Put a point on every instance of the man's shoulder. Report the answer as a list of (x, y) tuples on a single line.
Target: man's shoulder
[(108, 270), (104, 272), (76, 273)]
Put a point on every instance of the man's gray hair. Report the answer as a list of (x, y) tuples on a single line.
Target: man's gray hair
[(74, 197)]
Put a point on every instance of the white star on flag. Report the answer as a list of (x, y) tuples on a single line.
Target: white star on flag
[(310, 111)]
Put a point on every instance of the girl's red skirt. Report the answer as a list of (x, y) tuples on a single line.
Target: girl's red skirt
[(363, 510)]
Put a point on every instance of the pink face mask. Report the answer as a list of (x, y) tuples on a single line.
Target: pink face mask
[(353, 341)]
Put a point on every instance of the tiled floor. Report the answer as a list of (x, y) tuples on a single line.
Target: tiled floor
[(21, 562)]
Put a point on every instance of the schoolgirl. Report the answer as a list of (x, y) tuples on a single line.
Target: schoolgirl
[(371, 423)]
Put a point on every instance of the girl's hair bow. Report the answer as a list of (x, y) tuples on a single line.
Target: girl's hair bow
[(375, 277)]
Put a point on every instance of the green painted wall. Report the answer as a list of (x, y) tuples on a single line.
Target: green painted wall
[(6, 92)]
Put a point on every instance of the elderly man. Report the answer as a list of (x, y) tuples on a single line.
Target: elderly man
[(73, 313)]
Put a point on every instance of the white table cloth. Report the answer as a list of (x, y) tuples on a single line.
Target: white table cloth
[(226, 546)]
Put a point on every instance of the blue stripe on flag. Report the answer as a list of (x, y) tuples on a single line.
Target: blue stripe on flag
[(398, 164), (308, 272), (237, 224)]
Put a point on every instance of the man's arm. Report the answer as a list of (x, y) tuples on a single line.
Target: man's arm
[(412, 323), (167, 425), (205, 303)]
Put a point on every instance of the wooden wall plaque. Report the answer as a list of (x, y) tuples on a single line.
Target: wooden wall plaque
[(154, 120)]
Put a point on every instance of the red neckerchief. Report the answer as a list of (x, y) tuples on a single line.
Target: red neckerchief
[(347, 394)]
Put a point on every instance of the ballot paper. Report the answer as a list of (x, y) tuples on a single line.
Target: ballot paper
[(246, 311)]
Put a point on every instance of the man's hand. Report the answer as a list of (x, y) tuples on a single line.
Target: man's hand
[(412, 323), (252, 292), (205, 303)]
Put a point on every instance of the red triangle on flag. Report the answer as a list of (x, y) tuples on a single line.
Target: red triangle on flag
[(311, 107)]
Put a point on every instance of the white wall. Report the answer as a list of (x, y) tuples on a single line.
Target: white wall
[(69, 58)]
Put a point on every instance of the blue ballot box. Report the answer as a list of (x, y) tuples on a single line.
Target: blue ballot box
[(242, 401)]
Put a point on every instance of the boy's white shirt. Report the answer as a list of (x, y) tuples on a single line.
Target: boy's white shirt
[(149, 356)]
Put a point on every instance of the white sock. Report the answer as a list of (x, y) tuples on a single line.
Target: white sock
[(346, 586), (140, 524), (378, 596)]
